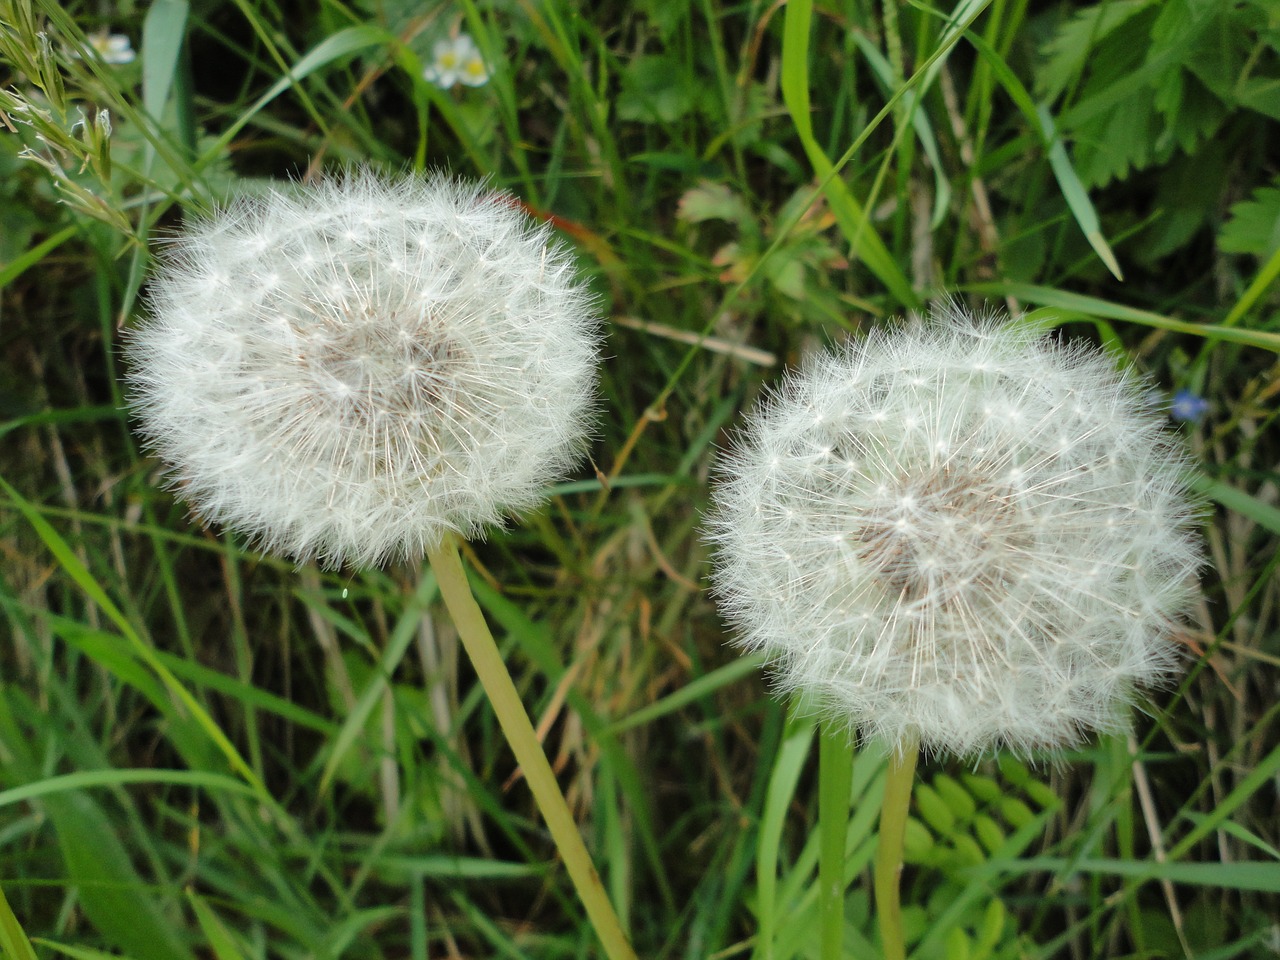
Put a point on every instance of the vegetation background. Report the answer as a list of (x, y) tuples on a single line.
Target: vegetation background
[(207, 753)]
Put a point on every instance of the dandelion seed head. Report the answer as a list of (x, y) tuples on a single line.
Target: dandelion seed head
[(350, 371), (990, 547)]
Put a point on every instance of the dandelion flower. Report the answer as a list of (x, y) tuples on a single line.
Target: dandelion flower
[(353, 370), (456, 60), (961, 533)]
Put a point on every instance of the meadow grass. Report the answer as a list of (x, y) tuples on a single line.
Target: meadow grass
[(208, 752)]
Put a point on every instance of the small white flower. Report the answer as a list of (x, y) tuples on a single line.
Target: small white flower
[(352, 370), (456, 60), (113, 48), (960, 532)]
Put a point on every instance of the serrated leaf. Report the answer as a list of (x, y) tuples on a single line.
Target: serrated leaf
[(1123, 140), (1069, 50), (1191, 114), (1254, 224)]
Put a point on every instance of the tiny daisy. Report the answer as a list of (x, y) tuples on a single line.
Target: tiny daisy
[(456, 60), (113, 48)]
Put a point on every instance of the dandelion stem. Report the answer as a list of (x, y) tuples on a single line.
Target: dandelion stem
[(515, 723), (835, 776), (893, 828)]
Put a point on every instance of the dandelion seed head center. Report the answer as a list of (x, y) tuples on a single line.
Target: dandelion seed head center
[(395, 372), (935, 528)]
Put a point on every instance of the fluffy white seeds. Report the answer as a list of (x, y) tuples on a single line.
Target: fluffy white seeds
[(960, 532), (349, 371)]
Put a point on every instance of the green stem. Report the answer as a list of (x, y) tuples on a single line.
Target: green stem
[(835, 777), (487, 661), (893, 829)]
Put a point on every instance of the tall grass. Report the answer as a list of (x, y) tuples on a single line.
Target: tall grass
[(205, 752)]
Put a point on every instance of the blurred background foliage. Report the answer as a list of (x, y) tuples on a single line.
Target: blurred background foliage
[(205, 752)]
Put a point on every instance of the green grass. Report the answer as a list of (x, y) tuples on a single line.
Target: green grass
[(205, 752)]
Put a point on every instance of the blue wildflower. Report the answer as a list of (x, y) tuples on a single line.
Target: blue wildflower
[(1188, 407)]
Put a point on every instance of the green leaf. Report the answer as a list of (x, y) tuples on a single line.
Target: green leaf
[(402, 636), (1076, 196), (163, 32), (788, 764), (218, 936), (1239, 832), (691, 692), (654, 90), (1237, 875), (993, 919), (1072, 305), (958, 945), (1017, 813), (84, 579), (853, 220), (989, 833), (1068, 53), (1254, 224), (341, 44), (883, 72), (16, 267), (83, 779), (115, 899), (918, 842), (712, 201), (967, 851), (14, 944), (1069, 181), (934, 810), (957, 798), (984, 788), (1263, 514)]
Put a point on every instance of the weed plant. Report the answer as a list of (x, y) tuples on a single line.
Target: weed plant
[(207, 752)]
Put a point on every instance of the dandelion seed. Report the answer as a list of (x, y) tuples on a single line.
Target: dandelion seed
[(991, 547), (306, 393)]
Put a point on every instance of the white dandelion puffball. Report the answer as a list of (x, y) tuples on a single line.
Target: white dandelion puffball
[(960, 532), (352, 370)]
